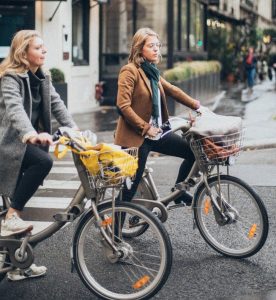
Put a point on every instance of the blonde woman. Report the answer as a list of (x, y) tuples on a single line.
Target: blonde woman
[(141, 100), (27, 101)]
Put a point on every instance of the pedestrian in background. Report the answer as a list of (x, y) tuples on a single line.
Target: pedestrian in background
[(141, 100), (27, 102), (250, 63)]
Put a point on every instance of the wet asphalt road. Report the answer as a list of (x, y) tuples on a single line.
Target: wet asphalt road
[(198, 272)]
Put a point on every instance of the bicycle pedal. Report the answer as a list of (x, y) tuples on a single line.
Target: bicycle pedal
[(174, 206), (64, 217)]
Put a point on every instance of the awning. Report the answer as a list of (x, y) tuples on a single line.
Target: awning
[(229, 19)]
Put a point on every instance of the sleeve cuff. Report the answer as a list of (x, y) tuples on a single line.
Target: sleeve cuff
[(197, 104), (28, 135)]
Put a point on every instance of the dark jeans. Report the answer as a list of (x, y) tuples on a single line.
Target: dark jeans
[(251, 77), (173, 145), (36, 165)]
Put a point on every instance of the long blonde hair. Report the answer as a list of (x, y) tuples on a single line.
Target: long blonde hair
[(16, 61), (138, 42)]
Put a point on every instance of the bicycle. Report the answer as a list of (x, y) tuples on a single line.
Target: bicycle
[(228, 213), (110, 266)]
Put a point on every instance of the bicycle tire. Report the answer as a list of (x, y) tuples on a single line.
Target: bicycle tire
[(4, 204), (114, 282), (143, 192), (4, 259), (4, 262), (247, 234)]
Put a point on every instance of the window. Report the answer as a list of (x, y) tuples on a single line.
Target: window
[(117, 30), (196, 28), (153, 14), (180, 25), (14, 17), (273, 9), (80, 32)]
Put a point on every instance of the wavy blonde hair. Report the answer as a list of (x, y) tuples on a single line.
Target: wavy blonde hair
[(16, 61), (138, 41)]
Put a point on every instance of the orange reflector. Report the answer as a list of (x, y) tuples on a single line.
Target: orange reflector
[(141, 282), (207, 205), (106, 222), (252, 231)]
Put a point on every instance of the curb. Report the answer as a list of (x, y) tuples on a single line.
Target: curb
[(259, 144), (217, 100)]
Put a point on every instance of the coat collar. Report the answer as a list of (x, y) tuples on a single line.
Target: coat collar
[(145, 78)]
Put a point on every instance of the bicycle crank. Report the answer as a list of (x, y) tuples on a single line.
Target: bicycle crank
[(18, 259)]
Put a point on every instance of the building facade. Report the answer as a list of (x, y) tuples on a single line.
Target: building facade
[(89, 39), (70, 30)]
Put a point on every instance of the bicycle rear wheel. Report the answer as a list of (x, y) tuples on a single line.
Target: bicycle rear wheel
[(4, 204), (244, 231), (144, 263), (3, 262)]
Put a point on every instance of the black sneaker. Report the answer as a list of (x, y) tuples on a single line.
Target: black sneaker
[(185, 198)]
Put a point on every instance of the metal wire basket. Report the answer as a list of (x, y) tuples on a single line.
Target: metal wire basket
[(216, 149), (111, 168)]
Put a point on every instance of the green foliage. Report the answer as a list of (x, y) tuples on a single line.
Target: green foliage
[(57, 75), (270, 31), (219, 48), (186, 70)]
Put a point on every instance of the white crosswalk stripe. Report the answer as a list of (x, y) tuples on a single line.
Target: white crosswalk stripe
[(60, 184), (49, 202), (54, 196), (63, 170)]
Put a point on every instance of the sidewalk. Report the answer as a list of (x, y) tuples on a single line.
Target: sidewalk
[(260, 117)]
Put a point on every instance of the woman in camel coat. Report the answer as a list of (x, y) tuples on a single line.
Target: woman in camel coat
[(141, 100)]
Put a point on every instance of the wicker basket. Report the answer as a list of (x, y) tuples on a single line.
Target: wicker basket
[(216, 149)]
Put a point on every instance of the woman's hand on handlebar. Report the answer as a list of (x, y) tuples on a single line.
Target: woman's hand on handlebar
[(202, 109), (42, 138)]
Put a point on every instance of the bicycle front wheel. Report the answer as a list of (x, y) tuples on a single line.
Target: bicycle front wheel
[(243, 231), (143, 266), (143, 192)]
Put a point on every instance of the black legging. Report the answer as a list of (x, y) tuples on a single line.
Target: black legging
[(36, 165), (171, 144)]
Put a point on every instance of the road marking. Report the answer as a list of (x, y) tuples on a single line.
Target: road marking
[(59, 184), (62, 162), (48, 202), (63, 170)]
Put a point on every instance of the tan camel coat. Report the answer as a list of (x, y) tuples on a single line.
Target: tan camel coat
[(134, 99)]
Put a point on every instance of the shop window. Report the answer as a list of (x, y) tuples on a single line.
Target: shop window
[(180, 25), (153, 14), (14, 17), (196, 28), (117, 31), (80, 32)]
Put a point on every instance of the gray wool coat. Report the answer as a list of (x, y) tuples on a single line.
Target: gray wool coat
[(15, 115)]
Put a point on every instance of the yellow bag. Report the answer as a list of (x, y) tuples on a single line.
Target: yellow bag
[(104, 160), (110, 161)]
